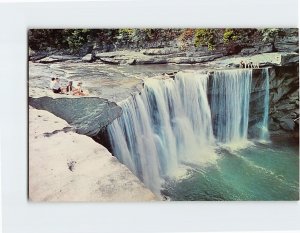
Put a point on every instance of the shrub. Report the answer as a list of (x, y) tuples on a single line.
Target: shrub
[(205, 37)]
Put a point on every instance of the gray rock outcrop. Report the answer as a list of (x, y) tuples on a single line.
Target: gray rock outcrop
[(287, 44), (87, 115), (57, 58), (284, 100), (259, 48), (87, 58)]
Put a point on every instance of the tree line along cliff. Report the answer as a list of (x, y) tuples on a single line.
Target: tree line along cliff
[(230, 41)]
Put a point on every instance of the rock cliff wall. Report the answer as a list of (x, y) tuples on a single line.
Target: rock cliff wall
[(284, 100)]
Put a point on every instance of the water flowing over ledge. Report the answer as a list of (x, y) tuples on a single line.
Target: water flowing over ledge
[(264, 133), (230, 99), (173, 123)]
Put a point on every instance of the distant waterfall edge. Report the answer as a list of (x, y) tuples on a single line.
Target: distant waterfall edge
[(175, 124), (264, 133)]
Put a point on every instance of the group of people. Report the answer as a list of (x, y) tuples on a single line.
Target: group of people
[(248, 65), (72, 87)]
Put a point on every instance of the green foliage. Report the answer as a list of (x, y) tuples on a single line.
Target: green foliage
[(126, 34), (230, 35), (44, 38), (269, 34), (205, 37), (76, 38)]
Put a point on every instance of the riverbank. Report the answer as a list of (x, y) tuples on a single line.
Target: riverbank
[(66, 166)]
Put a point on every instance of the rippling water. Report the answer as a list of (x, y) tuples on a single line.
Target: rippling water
[(258, 172)]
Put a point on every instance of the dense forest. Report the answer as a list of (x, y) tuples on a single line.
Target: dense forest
[(73, 39)]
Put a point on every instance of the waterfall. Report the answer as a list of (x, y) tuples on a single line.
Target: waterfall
[(230, 105), (167, 124), (264, 132)]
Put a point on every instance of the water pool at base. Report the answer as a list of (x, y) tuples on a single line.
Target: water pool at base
[(263, 172)]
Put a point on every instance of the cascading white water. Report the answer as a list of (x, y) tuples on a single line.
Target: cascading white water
[(167, 124), (230, 98), (264, 132)]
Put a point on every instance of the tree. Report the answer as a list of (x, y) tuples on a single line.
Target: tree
[(206, 37), (76, 38), (186, 37), (269, 34)]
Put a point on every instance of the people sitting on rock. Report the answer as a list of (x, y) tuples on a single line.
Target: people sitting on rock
[(242, 64), (56, 88), (249, 64), (75, 88), (52, 83), (69, 87)]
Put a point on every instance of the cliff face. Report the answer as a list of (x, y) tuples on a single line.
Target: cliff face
[(283, 103), (284, 100)]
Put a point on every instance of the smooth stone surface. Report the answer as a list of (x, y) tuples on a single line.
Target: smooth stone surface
[(264, 59), (65, 166), (87, 58), (86, 115), (57, 58)]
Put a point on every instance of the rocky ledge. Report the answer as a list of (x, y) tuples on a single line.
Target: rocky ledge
[(66, 166), (118, 82), (86, 115)]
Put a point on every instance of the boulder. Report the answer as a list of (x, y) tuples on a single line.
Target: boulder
[(87, 58), (87, 115), (145, 60), (131, 61)]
